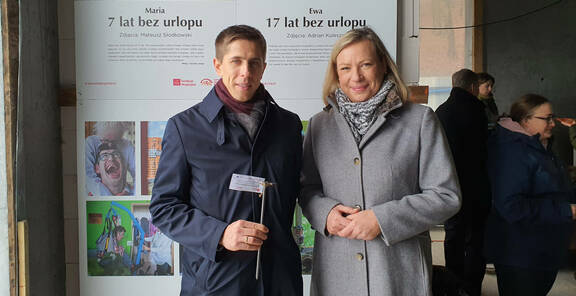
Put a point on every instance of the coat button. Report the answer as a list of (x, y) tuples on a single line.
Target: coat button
[(356, 161), (359, 256)]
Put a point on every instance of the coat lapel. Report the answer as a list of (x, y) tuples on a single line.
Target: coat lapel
[(372, 130)]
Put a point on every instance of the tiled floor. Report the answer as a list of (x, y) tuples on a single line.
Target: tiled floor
[(565, 284)]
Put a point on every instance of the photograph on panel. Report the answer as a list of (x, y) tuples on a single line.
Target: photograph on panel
[(109, 158), (151, 133), (122, 241)]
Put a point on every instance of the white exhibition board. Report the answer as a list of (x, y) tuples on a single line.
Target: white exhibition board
[(140, 62)]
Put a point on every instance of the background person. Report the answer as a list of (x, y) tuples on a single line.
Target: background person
[(531, 220), (464, 120), (112, 257), (571, 124), (160, 253), (377, 174), (485, 87)]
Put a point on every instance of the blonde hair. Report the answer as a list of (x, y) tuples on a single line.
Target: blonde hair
[(354, 36)]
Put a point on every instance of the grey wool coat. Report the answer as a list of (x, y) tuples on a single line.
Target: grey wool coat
[(402, 170)]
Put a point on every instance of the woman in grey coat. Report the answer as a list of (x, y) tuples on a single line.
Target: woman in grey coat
[(377, 173)]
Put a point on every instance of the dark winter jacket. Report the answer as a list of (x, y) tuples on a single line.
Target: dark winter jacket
[(530, 222), (192, 203), (465, 124)]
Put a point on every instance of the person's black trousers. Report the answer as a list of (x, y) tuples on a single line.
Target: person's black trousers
[(517, 281), (464, 250)]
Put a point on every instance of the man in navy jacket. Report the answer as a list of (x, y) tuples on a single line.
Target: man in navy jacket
[(236, 129)]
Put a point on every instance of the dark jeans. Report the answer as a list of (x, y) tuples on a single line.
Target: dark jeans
[(513, 281), (463, 251)]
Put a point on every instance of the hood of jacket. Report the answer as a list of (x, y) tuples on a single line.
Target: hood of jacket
[(509, 131)]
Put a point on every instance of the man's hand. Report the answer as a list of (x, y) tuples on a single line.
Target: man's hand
[(244, 236), (363, 225), (336, 220)]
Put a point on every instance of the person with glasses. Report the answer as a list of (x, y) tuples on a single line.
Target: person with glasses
[(111, 169), (112, 132), (529, 226)]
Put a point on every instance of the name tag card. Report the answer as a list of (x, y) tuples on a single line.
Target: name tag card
[(247, 183)]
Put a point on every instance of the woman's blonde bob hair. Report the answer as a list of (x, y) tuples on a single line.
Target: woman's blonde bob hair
[(353, 36)]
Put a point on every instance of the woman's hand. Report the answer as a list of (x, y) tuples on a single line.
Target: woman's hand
[(567, 121), (363, 225), (336, 219)]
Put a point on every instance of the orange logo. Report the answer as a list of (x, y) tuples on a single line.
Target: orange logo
[(206, 82)]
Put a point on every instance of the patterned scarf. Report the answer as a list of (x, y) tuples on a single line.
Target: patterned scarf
[(360, 116)]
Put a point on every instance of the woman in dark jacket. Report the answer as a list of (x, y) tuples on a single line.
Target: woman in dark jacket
[(529, 226), (486, 85)]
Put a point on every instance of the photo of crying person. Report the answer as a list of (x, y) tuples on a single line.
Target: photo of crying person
[(109, 158)]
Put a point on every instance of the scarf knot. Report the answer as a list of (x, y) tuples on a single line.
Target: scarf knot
[(248, 114), (361, 115)]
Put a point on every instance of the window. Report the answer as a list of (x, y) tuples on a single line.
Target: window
[(444, 51)]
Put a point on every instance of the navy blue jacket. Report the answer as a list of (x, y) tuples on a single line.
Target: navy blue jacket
[(530, 222), (191, 202)]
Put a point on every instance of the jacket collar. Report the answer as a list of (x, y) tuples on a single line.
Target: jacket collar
[(211, 105), (509, 131), (458, 93)]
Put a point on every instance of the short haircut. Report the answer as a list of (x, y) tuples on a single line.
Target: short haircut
[(107, 146), (485, 77), (524, 107), (351, 37), (118, 229), (238, 32), (464, 78)]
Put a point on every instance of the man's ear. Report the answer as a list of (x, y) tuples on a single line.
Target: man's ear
[(217, 66)]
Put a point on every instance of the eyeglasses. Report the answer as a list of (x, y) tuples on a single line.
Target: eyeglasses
[(109, 156), (549, 119)]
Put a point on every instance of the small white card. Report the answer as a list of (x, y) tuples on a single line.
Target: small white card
[(247, 183)]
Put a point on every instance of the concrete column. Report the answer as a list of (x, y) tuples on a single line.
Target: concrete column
[(38, 160)]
